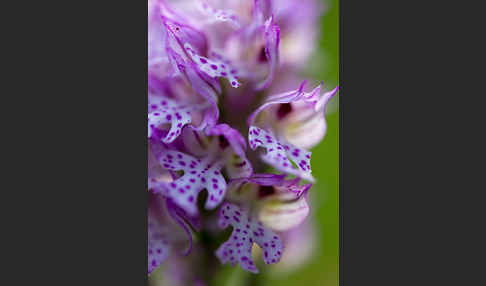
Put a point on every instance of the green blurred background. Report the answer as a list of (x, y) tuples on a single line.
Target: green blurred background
[(322, 268)]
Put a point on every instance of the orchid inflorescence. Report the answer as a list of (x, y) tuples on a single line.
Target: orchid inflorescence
[(221, 75)]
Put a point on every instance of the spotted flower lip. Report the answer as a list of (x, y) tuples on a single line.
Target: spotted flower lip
[(199, 174), (280, 154), (246, 231), (167, 111), (224, 150)]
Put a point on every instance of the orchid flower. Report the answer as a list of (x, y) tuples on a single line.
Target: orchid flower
[(224, 150)]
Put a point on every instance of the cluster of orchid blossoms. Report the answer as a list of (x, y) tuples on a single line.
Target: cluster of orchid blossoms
[(230, 123)]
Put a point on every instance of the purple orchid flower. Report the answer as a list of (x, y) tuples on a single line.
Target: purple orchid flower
[(213, 69)]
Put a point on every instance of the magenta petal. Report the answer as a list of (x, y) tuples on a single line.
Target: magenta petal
[(324, 99), (272, 41), (262, 9), (267, 179), (186, 34), (246, 231), (204, 89), (285, 97)]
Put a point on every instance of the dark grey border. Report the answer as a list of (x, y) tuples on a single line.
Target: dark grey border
[(82, 148), (407, 124)]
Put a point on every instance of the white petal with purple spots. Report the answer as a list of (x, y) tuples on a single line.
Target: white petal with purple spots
[(163, 110), (246, 231), (214, 67), (198, 175), (280, 154)]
